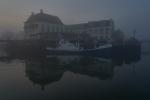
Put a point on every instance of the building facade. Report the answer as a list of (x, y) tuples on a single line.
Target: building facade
[(49, 27)]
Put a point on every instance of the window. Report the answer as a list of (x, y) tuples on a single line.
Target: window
[(48, 28), (42, 28)]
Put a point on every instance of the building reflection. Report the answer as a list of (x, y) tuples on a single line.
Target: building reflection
[(46, 70), (51, 69), (43, 71)]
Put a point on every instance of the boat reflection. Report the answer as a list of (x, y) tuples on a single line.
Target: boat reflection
[(51, 69), (46, 70)]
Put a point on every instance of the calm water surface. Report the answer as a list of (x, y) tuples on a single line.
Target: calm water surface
[(75, 78)]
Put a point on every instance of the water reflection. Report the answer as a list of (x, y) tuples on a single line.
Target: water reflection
[(48, 69), (51, 69)]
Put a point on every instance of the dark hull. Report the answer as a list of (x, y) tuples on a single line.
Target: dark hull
[(105, 52)]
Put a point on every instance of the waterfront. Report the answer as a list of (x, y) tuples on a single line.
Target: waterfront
[(75, 78)]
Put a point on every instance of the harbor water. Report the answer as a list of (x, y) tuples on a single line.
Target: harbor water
[(75, 77)]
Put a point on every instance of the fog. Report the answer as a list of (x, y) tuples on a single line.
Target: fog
[(128, 15)]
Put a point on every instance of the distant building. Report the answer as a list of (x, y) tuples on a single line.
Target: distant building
[(99, 29), (49, 27)]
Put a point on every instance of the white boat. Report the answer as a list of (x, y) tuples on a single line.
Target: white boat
[(66, 48), (65, 45)]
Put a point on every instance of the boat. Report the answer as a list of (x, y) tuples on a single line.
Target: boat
[(67, 48)]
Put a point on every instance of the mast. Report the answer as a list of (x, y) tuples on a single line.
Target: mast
[(134, 33)]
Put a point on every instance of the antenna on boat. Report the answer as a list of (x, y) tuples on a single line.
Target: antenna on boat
[(134, 33)]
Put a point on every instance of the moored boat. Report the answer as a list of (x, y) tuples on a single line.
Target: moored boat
[(66, 48)]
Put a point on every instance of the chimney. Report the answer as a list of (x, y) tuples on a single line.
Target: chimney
[(41, 11), (32, 13)]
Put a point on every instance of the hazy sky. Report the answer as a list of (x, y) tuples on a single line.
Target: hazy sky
[(127, 14)]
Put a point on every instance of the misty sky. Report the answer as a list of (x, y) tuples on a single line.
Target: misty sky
[(127, 14)]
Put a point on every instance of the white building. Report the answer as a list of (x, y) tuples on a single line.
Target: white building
[(38, 26), (98, 29), (45, 26)]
